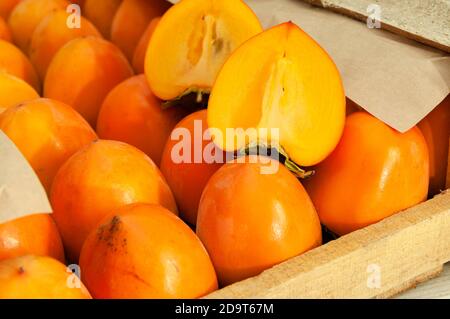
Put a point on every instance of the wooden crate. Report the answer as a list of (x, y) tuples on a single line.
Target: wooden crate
[(378, 261)]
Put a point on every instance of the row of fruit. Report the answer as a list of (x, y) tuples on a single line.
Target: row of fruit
[(123, 97)]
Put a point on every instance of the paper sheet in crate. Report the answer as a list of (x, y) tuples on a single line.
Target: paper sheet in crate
[(21, 193), (397, 80)]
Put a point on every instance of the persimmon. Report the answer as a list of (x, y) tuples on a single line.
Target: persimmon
[(83, 72), (188, 179), (250, 221), (27, 15), (373, 173), (291, 84), (38, 277), (131, 20), (5, 33), (6, 6), (101, 13), (185, 57), (31, 235), (435, 128), (144, 251), (141, 48), (52, 34), (13, 61), (47, 132), (14, 91), (132, 114), (100, 178)]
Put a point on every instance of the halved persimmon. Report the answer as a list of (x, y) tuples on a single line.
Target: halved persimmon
[(372, 174), (14, 91), (280, 79), (192, 42)]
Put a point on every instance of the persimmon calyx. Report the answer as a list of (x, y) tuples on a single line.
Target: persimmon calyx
[(253, 148)]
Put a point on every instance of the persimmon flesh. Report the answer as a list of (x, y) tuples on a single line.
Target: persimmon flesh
[(192, 41), (281, 79)]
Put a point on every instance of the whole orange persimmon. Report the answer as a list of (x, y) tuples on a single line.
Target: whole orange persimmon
[(98, 179), (101, 13), (145, 251), (6, 6), (37, 277), (83, 72), (26, 16), (373, 173), (14, 91), (250, 219), (132, 114), (34, 234), (5, 33), (436, 130), (141, 48), (14, 62), (47, 132), (188, 179), (51, 34), (130, 21)]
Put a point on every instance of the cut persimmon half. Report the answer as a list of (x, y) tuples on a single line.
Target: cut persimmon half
[(279, 81), (191, 43)]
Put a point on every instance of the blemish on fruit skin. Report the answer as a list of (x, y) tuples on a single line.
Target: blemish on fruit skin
[(21, 270), (108, 233)]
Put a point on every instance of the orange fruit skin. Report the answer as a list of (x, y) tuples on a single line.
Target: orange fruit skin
[(14, 62), (36, 277), (14, 91), (27, 15), (100, 178), (5, 33), (187, 180), (374, 173), (144, 251), (141, 49), (131, 20), (47, 132), (51, 34), (6, 6), (436, 130), (101, 13), (83, 72), (250, 222), (132, 114), (31, 235)]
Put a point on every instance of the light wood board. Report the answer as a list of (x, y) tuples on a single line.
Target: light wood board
[(426, 21)]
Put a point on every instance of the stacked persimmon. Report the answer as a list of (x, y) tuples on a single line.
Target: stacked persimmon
[(150, 195)]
